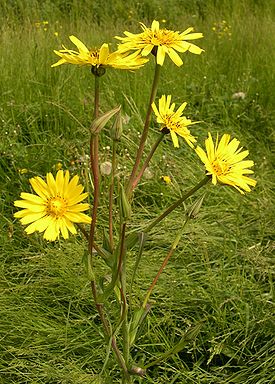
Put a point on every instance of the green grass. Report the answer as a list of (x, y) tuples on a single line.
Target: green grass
[(221, 277)]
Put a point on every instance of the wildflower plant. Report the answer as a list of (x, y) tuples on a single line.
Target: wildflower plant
[(57, 206)]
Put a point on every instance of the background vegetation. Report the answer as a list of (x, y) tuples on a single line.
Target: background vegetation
[(222, 276)]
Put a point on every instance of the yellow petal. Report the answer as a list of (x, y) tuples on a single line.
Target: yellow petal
[(52, 231), (32, 198), (193, 36), (77, 217), (70, 226), (60, 182), (39, 225), (51, 184), (147, 49), (81, 47), (155, 26), (190, 29), (64, 230), (30, 206), (32, 217), (174, 139), (194, 49), (160, 55), (78, 207), (40, 187), (175, 57), (103, 53)]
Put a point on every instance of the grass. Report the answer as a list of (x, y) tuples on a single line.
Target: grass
[(221, 278)]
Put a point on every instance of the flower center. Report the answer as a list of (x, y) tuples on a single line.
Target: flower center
[(220, 167), (56, 206), (169, 123), (161, 37), (94, 54)]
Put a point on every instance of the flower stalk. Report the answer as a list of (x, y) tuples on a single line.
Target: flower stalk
[(163, 265), (147, 161), (94, 147), (145, 130), (173, 206), (111, 195)]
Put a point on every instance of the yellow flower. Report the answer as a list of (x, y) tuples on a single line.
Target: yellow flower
[(55, 207), (159, 42), (173, 122), (22, 171), (224, 161), (58, 166), (98, 57), (166, 179)]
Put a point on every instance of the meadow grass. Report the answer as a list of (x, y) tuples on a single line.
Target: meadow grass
[(220, 280)]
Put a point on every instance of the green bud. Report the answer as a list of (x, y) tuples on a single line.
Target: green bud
[(192, 212), (98, 70), (88, 266), (124, 205), (99, 123), (116, 131)]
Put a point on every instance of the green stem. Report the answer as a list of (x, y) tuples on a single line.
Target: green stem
[(122, 249), (86, 235), (165, 261), (94, 145), (146, 162), (111, 195), (145, 130), (96, 97), (177, 203), (108, 332), (124, 304), (138, 258)]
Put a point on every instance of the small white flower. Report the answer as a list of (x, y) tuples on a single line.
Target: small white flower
[(148, 174), (238, 95)]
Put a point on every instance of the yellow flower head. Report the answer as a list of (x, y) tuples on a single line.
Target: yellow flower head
[(159, 42), (224, 161), (98, 57), (173, 121), (55, 207), (166, 179)]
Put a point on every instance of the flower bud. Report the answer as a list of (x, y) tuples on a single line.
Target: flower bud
[(124, 205), (99, 123), (98, 70), (138, 371), (88, 266), (193, 211), (116, 131)]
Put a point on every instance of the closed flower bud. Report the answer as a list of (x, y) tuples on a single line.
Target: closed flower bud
[(192, 212), (116, 131), (98, 70), (138, 371), (124, 205), (99, 123)]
